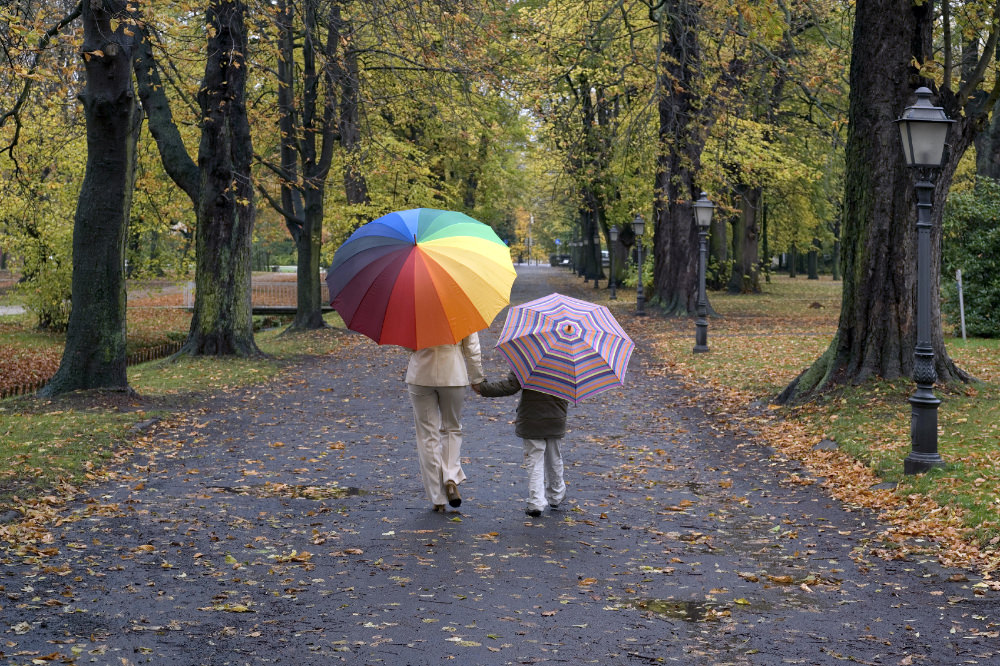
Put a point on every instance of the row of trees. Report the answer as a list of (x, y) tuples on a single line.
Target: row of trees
[(224, 116)]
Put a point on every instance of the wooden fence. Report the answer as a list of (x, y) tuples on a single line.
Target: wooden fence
[(264, 295), (140, 356)]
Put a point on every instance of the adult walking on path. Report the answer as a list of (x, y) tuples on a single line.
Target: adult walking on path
[(287, 525), (437, 379)]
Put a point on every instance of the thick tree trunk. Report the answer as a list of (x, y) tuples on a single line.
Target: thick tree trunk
[(745, 278), (94, 355), (223, 321), (877, 328), (682, 133)]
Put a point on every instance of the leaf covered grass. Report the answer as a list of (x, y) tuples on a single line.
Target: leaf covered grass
[(48, 445), (760, 343)]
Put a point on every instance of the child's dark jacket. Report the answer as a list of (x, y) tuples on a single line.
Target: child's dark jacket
[(539, 415)]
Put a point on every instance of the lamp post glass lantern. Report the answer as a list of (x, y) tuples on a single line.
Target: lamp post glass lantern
[(923, 129), (703, 209), (639, 227), (613, 235)]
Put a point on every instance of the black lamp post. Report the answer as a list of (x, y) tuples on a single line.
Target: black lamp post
[(923, 129), (703, 209), (597, 257), (639, 226), (613, 235)]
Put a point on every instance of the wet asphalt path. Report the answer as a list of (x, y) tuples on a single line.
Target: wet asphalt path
[(289, 526)]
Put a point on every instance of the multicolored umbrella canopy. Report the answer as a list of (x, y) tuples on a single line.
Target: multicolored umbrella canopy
[(565, 347), (420, 278)]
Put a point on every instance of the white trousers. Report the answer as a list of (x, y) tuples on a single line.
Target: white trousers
[(437, 414), (545, 472)]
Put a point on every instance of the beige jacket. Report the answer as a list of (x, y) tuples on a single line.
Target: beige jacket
[(459, 364)]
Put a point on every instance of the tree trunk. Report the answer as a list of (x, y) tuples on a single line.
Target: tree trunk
[(94, 355), (876, 333), (745, 278), (813, 264), (718, 246), (765, 261), (346, 77), (681, 138), (988, 148), (310, 126), (223, 318), (835, 263), (303, 204)]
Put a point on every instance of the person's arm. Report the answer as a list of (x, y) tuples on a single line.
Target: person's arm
[(507, 386), (473, 359)]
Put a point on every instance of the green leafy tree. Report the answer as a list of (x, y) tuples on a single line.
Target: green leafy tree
[(971, 244)]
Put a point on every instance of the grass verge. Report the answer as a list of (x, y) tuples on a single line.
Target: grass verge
[(63, 442)]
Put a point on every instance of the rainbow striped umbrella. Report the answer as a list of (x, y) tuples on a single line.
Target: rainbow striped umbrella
[(565, 347), (420, 278)]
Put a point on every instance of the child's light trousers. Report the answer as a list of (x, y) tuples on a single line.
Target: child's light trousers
[(545, 472)]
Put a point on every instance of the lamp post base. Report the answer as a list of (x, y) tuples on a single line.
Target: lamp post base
[(701, 336), (918, 463), (924, 454)]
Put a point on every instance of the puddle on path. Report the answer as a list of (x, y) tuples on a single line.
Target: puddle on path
[(293, 491), (689, 611)]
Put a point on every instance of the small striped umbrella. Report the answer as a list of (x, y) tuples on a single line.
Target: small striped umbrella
[(565, 347)]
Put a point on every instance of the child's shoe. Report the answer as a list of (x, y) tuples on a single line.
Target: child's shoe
[(532, 511)]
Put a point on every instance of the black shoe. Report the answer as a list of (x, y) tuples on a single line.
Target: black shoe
[(439, 508), (534, 513), (451, 490)]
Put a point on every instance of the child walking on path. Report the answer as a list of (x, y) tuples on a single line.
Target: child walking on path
[(541, 423)]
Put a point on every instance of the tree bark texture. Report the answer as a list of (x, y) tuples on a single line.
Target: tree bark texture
[(94, 355), (876, 333), (326, 113), (302, 212), (223, 322), (718, 250), (745, 278), (988, 148), (346, 79), (173, 154), (682, 135)]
